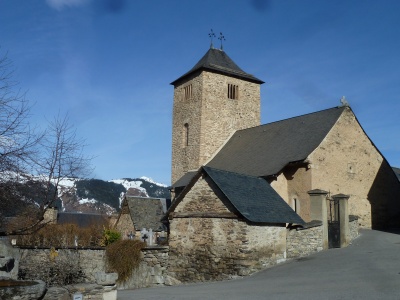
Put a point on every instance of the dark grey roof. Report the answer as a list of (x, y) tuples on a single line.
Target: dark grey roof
[(82, 220), (146, 212), (397, 172), (265, 150), (253, 197), (216, 60), (184, 180)]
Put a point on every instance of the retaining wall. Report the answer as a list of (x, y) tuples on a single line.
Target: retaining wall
[(71, 266), (304, 241)]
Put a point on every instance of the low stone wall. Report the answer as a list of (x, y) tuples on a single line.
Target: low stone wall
[(303, 241), (151, 272), (353, 227), (61, 266)]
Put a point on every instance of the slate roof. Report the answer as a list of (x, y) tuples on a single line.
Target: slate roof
[(146, 212), (265, 150), (252, 197), (397, 172), (82, 220), (184, 180), (216, 60)]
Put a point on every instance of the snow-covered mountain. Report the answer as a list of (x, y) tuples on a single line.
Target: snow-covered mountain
[(99, 196)]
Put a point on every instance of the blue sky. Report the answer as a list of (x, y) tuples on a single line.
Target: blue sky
[(108, 64)]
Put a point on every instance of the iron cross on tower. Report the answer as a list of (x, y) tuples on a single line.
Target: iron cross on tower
[(221, 38), (211, 35)]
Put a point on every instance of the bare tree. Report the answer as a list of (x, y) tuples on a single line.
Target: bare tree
[(61, 157), (18, 140), (27, 154)]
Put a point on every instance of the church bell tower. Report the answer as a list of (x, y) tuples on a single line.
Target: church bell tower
[(211, 101)]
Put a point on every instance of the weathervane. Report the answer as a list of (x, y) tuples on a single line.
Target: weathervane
[(221, 38), (211, 36), (344, 101)]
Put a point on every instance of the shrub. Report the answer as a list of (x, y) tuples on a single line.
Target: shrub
[(110, 236), (123, 257), (63, 236)]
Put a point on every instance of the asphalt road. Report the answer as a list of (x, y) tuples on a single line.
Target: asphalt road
[(367, 269)]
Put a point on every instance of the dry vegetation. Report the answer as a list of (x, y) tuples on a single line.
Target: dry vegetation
[(123, 256), (63, 236)]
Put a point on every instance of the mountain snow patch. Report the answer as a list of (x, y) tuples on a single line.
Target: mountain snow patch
[(148, 179)]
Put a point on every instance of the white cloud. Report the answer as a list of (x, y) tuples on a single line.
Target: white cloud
[(60, 4)]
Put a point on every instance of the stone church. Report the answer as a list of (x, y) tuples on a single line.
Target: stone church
[(238, 184)]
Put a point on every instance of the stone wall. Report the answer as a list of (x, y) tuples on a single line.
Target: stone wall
[(348, 162), (61, 266), (124, 223), (299, 183), (205, 249), (151, 272), (83, 264), (353, 227), (211, 117), (208, 241), (304, 241)]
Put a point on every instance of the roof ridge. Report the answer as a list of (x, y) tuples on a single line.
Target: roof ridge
[(295, 117)]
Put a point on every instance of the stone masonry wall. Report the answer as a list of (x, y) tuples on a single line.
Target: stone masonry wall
[(151, 272), (302, 242), (203, 249), (80, 265), (353, 227), (221, 116), (202, 198), (124, 222), (348, 162), (216, 248), (299, 182), (211, 117), (186, 111), (34, 264)]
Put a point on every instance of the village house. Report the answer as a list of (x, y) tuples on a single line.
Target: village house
[(53, 216), (141, 217), (234, 179), (212, 217)]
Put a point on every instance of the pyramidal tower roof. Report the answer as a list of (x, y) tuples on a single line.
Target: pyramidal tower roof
[(217, 61)]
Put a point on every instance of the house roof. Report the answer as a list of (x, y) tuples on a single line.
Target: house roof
[(252, 197), (146, 212), (265, 150), (82, 220), (397, 172), (185, 179), (216, 60)]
